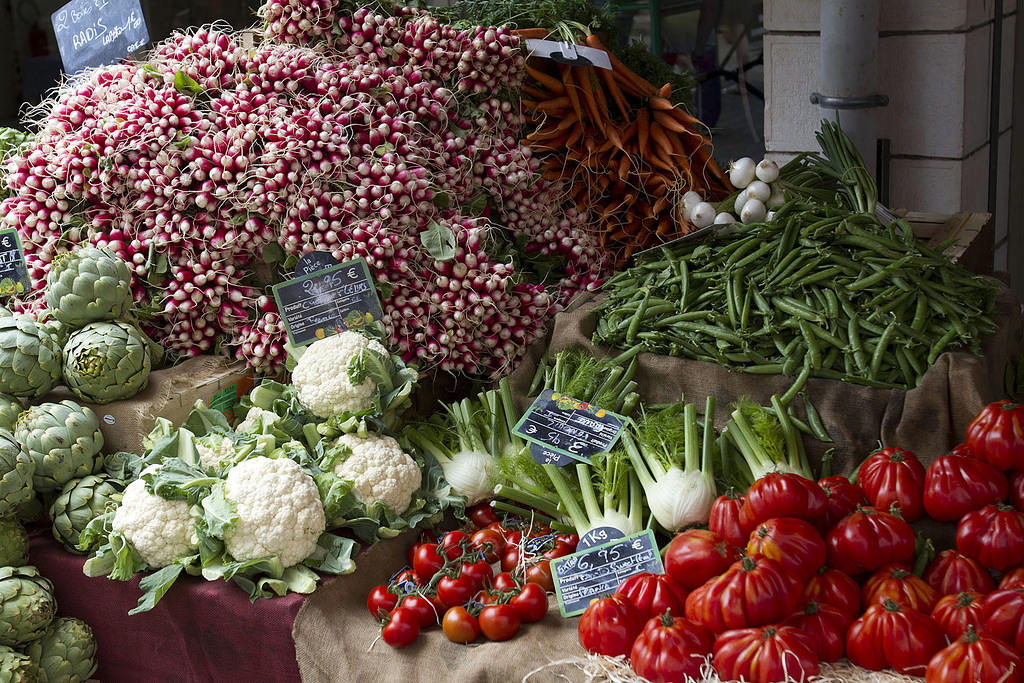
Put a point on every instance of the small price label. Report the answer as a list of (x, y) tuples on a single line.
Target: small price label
[(14, 277), (598, 571), (328, 301), (569, 427)]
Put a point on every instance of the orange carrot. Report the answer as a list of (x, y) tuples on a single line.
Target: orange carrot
[(660, 103), (555, 104), (669, 123), (643, 127), (549, 82), (616, 92), (665, 91), (526, 33), (660, 138), (570, 89), (536, 93)]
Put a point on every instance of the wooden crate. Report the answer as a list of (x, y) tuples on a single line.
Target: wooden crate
[(975, 237)]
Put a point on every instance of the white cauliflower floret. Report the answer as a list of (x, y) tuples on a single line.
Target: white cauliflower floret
[(160, 530), (255, 419), (321, 375), (380, 470), (279, 511), (214, 449)]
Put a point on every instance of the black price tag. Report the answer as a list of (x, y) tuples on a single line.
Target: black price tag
[(546, 456), (598, 571), (599, 536), (328, 302), (14, 277), (313, 262), (97, 32), (569, 427)]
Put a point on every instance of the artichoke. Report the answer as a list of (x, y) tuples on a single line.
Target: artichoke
[(16, 667), (27, 605), (33, 510), (13, 543), (66, 653), (10, 409), (63, 439), (29, 357), (16, 471), (59, 330), (106, 362), (81, 501), (88, 284)]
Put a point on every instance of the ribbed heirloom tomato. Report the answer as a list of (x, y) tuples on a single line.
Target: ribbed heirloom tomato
[(781, 494), (894, 476), (897, 582), (954, 485), (1002, 615), (976, 658), (893, 636), (696, 555), (752, 592), (867, 540), (953, 572), (653, 594), (609, 626), (725, 518), (765, 655), (954, 613), (793, 542), (996, 435), (843, 498), (670, 648), (993, 535), (826, 625), (1013, 578), (833, 587)]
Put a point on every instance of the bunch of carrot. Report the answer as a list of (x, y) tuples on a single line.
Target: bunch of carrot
[(627, 154)]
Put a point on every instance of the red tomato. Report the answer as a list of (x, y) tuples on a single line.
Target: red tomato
[(954, 613), (836, 589), (609, 626), (993, 535), (402, 628), (560, 549), (894, 476), (752, 592), (843, 498), (505, 582), (490, 543), (487, 597), (653, 594), (953, 572), (426, 562), (381, 601), (954, 485), (499, 622), (460, 626), (793, 542), (407, 576), (697, 555), (531, 603), (412, 551), (1002, 616), (539, 529), (479, 573), (456, 590), (891, 636), (482, 515), (725, 518), (453, 544), (540, 574), (670, 649), (426, 611), (996, 435), (765, 655), (976, 658), (826, 625), (1017, 490), (784, 495), (869, 539), (510, 558), (1014, 578), (896, 582), (570, 541)]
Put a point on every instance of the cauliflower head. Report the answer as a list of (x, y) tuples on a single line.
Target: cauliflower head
[(255, 420), (279, 511), (380, 471), (161, 530), (214, 449), (321, 375)]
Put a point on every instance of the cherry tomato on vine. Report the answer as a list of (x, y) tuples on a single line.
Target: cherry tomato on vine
[(455, 590), (402, 629), (482, 515), (510, 558), (540, 574), (451, 544), (499, 622), (489, 542), (505, 582), (425, 610), (571, 540), (460, 626), (560, 549), (531, 603), (381, 601), (408, 575), (427, 562), (479, 573)]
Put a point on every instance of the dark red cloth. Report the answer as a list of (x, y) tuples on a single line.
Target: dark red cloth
[(200, 631)]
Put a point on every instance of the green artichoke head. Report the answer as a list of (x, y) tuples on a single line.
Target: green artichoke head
[(13, 543), (106, 362), (30, 357), (66, 653), (16, 471), (88, 284), (10, 409), (81, 501), (17, 667), (27, 605), (63, 439)]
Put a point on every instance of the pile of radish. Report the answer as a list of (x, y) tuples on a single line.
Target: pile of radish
[(797, 572), (385, 136)]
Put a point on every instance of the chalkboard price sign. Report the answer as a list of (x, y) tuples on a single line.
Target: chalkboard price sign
[(597, 571), (327, 302), (546, 456), (14, 277), (98, 32), (570, 427)]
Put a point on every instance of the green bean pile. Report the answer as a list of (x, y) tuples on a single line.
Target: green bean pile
[(818, 291)]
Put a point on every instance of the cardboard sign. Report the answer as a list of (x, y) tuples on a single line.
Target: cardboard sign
[(98, 32), (598, 571), (569, 427), (329, 301), (14, 277)]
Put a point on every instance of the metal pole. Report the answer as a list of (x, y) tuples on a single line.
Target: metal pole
[(849, 70)]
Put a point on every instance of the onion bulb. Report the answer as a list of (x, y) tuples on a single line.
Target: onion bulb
[(754, 211), (759, 190), (702, 215), (724, 217), (767, 170), (741, 172)]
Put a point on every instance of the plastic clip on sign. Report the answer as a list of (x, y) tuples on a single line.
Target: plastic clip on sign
[(568, 53)]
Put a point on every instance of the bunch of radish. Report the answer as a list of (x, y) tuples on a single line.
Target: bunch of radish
[(372, 134)]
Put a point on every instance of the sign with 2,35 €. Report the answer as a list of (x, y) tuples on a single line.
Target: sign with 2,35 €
[(569, 427)]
